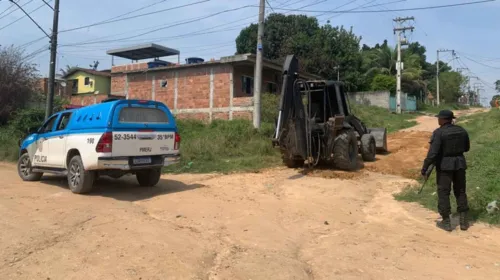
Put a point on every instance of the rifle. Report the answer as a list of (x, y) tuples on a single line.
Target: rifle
[(427, 175)]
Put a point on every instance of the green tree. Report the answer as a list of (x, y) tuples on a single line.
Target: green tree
[(18, 81), (320, 49), (450, 84), (384, 82), (497, 85)]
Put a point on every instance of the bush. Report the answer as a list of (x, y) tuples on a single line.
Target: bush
[(17, 128), (224, 146)]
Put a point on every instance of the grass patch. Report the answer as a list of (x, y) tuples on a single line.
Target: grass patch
[(224, 146), (435, 109), (373, 116), (9, 150), (483, 180)]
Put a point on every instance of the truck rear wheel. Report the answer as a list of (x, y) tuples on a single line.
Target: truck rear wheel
[(148, 178), (368, 147), (345, 150), (25, 171), (80, 181)]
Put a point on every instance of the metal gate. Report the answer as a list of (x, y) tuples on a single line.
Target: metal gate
[(408, 103)]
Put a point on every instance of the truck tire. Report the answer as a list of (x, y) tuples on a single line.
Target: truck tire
[(148, 178), (80, 181), (24, 169), (368, 147), (345, 150)]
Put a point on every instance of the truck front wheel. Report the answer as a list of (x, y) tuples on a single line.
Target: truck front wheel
[(25, 171), (80, 181), (148, 178)]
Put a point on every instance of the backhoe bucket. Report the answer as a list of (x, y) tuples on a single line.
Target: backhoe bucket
[(380, 135)]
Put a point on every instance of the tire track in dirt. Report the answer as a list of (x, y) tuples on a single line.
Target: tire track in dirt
[(276, 224)]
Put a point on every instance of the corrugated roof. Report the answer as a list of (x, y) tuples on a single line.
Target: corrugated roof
[(144, 51), (103, 73)]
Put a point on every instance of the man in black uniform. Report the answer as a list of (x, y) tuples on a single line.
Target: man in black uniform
[(448, 144)]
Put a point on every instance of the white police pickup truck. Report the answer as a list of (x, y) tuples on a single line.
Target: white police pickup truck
[(112, 138)]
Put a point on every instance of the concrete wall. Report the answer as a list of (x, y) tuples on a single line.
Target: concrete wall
[(373, 98), (204, 92)]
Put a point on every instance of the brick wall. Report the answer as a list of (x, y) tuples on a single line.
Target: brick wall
[(204, 92), (87, 99), (43, 87)]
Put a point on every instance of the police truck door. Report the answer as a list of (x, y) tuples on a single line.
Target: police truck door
[(40, 158)]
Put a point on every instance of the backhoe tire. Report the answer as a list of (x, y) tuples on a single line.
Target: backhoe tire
[(292, 162), (345, 150), (368, 147)]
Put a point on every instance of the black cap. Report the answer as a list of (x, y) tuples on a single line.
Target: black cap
[(445, 114)]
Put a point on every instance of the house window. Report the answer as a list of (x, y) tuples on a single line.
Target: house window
[(247, 85), (74, 86), (87, 81), (272, 88)]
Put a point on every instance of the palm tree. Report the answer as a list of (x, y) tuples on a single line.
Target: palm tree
[(68, 69), (383, 61)]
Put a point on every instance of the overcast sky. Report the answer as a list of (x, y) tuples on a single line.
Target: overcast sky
[(471, 30)]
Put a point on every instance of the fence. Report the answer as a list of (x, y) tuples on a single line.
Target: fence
[(385, 100)]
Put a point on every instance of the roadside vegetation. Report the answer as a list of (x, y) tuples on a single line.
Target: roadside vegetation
[(229, 146), (483, 181), (446, 106)]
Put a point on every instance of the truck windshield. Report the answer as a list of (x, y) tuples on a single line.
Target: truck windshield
[(142, 115)]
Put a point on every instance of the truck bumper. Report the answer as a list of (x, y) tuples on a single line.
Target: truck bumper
[(127, 163)]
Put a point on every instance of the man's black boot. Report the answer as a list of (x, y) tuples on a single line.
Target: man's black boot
[(445, 224), (464, 222)]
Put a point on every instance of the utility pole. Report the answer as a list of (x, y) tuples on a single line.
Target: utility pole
[(470, 90), (477, 88), (399, 66), (257, 85), (53, 57), (437, 71)]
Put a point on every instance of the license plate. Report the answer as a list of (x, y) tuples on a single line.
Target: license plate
[(142, 160)]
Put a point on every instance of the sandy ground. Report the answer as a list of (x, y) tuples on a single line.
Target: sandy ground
[(277, 224)]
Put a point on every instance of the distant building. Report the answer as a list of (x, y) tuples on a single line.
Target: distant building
[(88, 86), (205, 90)]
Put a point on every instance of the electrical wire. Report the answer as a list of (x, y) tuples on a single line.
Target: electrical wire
[(133, 17), (393, 10), (4, 11), (168, 26), (29, 13), (14, 9), (480, 63)]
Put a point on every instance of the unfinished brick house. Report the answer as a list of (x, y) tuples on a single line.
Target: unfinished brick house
[(216, 89)]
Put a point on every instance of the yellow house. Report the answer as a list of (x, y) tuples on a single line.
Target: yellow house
[(87, 81)]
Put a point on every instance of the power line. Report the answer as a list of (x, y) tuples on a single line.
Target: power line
[(165, 27), (267, 1), (13, 4), (4, 11), (132, 17), (27, 14), (486, 65), (39, 7), (195, 33), (393, 10)]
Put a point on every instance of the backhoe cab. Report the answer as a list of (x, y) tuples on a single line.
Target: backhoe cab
[(315, 124)]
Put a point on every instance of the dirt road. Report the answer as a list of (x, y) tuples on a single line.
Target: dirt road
[(278, 224)]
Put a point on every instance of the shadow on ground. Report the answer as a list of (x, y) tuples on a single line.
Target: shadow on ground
[(126, 188)]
